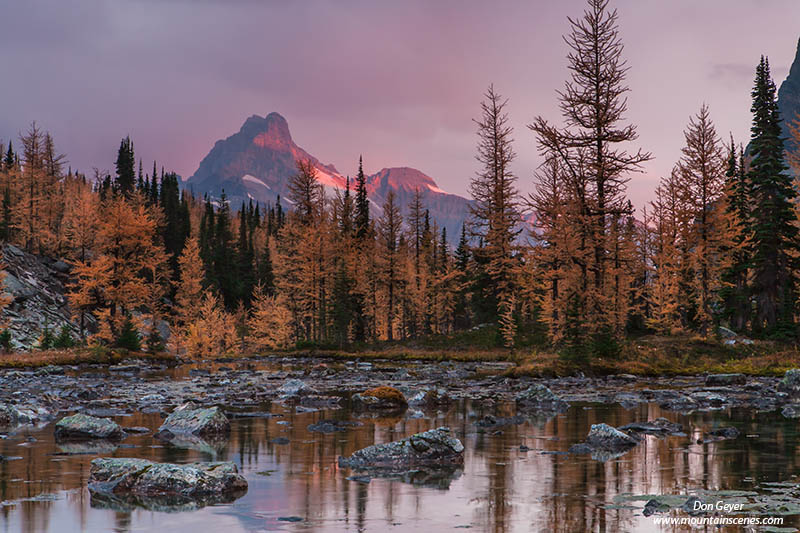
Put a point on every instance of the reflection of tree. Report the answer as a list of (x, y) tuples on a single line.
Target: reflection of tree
[(501, 490)]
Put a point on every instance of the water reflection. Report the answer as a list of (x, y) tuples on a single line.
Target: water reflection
[(501, 488)]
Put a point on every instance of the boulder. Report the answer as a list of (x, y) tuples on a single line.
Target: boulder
[(715, 380), (435, 447), (145, 478), (83, 427), (603, 437), (187, 420), (540, 397)]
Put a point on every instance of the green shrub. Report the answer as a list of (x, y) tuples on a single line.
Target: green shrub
[(64, 339), (128, 337), (5, 340), (47, 339)]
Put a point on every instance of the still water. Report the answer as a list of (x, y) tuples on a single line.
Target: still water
[(501, 489)]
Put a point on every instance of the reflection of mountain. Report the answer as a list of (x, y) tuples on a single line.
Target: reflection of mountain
[(501, 488), (257, 162)]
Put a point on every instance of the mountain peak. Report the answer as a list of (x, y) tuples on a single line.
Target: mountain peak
[(789, 94), (406, 178), (271, 131)]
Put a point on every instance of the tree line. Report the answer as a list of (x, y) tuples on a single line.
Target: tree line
[(571, 265)]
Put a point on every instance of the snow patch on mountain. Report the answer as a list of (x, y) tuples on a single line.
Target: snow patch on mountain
[(253, 179)]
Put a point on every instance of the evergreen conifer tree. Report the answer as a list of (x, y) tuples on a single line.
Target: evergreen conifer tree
[(773, 221)]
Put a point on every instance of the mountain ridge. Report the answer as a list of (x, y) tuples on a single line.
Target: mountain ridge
[(256, 163)]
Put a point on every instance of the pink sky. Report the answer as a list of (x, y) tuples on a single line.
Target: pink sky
[(399, 82)]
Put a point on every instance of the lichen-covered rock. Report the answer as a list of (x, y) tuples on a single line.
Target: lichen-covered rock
[(146, 478), (83, 427), (725, 379), (187, 420), (435, 447), (380, 398), (538, 396), (605, 438)]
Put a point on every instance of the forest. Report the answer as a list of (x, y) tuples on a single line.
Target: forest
[(572, 268)]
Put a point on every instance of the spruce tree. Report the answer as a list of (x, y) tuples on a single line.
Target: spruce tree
[(362, 204), (126, 175), (246, 277), (773, 220), (734, 292), (10, 160)]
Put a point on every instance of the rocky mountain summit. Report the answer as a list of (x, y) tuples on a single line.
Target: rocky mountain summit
[(789, 96)]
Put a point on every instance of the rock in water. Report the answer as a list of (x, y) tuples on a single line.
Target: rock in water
[(146, 478), (435, 447), (725, 379), (186, 420), (11, 415), (81, 427), (293, 389), (603, 437), (382, 397), (791, 382), (538, 396)]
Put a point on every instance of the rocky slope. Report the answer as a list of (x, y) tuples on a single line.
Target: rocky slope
[(789, 96), (37, 286), (257, 162)]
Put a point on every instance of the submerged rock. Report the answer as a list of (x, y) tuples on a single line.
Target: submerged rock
[(176, 484), (435, 447), (492, 422), (720, 434), (540, 397), (654, 506), (659, 426), (186, 420), (82, 427), (332, 426)]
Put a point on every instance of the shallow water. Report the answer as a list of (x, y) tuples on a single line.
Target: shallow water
[(501, 489)]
